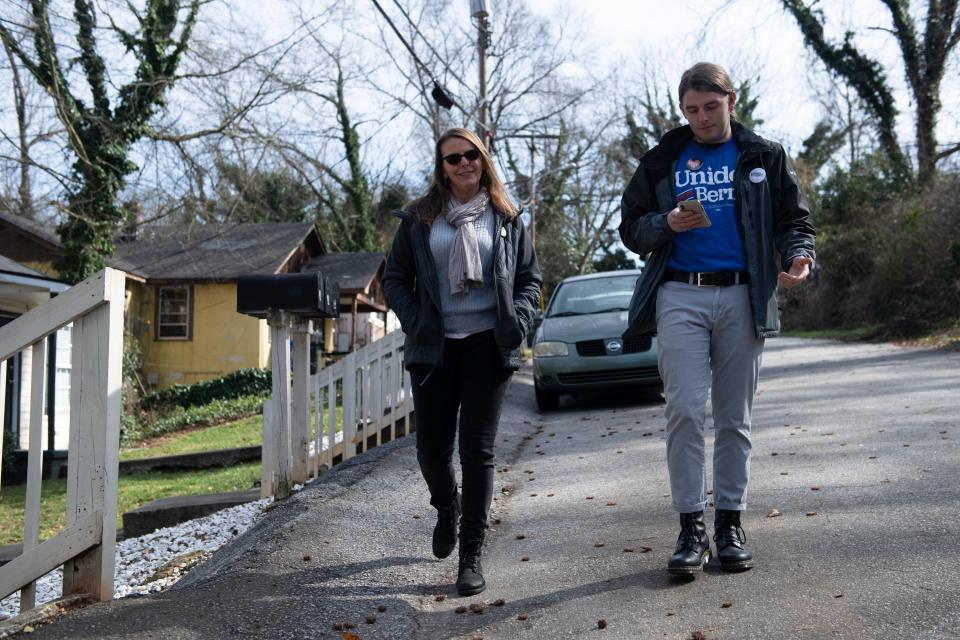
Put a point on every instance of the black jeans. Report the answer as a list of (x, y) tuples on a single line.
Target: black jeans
[(471, 379)]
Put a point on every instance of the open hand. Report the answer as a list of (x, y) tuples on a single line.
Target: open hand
[(799, 271)]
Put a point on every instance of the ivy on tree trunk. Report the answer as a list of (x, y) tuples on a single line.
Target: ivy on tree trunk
[(101, 135), (924, 60)]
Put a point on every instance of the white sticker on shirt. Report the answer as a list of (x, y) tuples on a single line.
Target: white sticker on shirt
[(758, 175)]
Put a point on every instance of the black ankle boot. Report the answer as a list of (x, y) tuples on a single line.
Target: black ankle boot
[(470, 579), (693, 545), (445, 533), (730, 537)]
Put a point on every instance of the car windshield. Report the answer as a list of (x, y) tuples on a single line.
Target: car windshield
[(596, 295)]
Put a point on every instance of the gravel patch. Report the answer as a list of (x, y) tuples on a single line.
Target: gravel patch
[(154, 561)]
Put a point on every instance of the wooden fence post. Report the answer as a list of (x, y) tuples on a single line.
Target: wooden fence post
[(93, 462), (268, 457), (300, 401), (31, 523), (350, 405)]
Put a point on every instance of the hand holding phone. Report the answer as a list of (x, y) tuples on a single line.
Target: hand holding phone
[(696, 207)]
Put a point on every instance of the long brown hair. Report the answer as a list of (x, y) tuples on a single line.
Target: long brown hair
[(434, 201)]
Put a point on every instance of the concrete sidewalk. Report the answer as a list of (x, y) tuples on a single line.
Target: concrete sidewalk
[(855, 447)]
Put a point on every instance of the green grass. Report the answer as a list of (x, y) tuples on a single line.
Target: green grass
[(241, 433), (134, 491), (137, 490), (247, 432)]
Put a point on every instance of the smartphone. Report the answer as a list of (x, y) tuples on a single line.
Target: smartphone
[(696, 207)]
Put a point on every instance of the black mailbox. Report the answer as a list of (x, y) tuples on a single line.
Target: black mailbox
[(308, 295)]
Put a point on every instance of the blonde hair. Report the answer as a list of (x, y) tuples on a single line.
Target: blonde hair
[(434, 201), (706, 76)]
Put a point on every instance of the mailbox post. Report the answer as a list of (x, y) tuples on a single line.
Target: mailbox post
[(287, 302), (300, 409)]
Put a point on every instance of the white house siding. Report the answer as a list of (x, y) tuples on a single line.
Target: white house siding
[(62, 419)]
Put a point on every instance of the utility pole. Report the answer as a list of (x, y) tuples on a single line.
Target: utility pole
[(478, 10), (533, 193)]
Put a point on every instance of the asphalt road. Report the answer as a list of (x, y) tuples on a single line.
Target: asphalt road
[(855, 447)]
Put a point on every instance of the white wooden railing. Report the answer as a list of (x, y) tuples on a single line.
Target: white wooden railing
[(369, 385), (85, 547)]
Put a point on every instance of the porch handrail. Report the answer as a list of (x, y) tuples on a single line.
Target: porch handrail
[(86, 546), (371, 389)]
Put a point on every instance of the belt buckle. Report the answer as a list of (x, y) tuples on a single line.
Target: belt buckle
[(699, 277)]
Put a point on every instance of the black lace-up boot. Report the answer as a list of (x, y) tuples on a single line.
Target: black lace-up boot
[(730, 538), (445, 533), (470, 579), (693, 545)]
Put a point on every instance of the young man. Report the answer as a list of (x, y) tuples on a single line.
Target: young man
[(709, 291)]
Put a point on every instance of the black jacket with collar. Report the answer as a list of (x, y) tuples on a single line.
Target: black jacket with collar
[(773, 219), (410, 284)]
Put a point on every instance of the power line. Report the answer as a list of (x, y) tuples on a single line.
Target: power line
[(438, 94), (424, 38)]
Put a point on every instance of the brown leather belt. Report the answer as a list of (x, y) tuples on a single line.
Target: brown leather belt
[(718, 279)]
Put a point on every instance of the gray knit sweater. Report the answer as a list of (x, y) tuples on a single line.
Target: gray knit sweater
[(476, 309)]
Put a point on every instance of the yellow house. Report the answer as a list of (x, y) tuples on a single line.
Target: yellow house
[(181, 300), (182, 294)]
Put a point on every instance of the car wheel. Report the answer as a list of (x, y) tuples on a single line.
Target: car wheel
[(546, 400)]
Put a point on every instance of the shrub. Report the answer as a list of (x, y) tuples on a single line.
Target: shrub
[(897, 268), (243, 382)]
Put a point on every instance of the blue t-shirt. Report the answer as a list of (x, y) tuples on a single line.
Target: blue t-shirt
[(705, 173)]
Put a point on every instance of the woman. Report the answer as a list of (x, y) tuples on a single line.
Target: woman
[(464, 282)]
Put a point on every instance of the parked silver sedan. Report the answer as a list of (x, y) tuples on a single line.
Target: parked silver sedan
[(578, 346)]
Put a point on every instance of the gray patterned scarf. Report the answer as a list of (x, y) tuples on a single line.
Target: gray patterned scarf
[(464, 268)]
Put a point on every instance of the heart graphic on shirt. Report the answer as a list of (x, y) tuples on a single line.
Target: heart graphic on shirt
[(693, 164)]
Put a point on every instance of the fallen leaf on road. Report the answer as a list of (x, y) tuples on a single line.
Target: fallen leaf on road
[(646, 549), (814, 488), (599, 544), (811, 513), (522, 616), (371, 619), (525, 559), (839, 595), (601, 624), (499, 602), (589, 497), (521, 536), (773, 513), (477, 607), (382, 607), (350, 636), (611, 504), (628, 550), (440, 598), (460, 609), (726, 605)]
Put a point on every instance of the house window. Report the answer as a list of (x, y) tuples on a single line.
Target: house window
[(174, 313)]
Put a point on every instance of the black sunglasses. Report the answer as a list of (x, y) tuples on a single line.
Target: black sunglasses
[(454, 158)]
